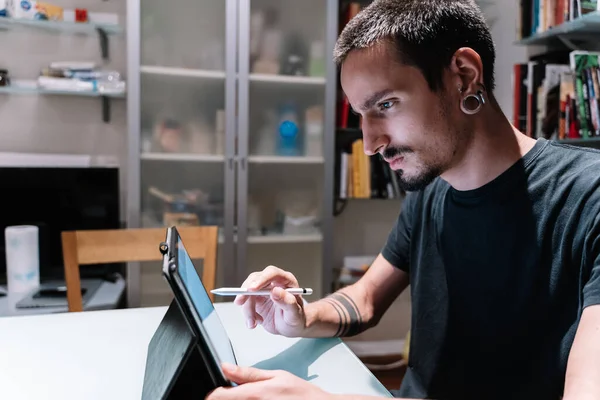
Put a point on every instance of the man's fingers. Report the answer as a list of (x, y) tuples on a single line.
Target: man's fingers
[(249, 311), (241, 375), (250, 279), (287, 302), (222, 393), (270, 277), (272, 274), (240, 299)]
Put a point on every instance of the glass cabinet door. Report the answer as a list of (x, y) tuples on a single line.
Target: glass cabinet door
[(282, 68), (183, 144)]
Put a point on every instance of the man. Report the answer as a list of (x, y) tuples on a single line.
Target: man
[(499, 236)]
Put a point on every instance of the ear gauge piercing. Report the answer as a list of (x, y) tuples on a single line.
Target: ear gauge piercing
[(466, 105)]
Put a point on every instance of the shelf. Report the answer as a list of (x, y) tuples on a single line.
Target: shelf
[(213, 74), (283, 238), (578, 28), (592, 140), (221, 158), (31, 88), (279, 239), (368, 199), (150, 222), (88, 28), (183, 72), (288, 79), (349, 131), (183, 157), (285, 160), (35, 90)]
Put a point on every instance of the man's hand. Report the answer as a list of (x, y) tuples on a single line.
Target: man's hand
[(262, 384), (281, 313)]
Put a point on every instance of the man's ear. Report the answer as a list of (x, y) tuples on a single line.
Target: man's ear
[(467, 68)]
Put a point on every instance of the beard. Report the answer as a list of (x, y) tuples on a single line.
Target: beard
[(419, 182), (414, 183), (440, 152)]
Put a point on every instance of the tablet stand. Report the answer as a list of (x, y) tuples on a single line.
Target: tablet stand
[(174, 366)]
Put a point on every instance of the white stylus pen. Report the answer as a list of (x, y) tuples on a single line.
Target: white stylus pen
[(227, 291)]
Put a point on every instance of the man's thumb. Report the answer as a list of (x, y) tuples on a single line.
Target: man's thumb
[(241, 375)]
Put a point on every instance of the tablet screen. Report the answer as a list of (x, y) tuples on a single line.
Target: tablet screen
[(210, 320)]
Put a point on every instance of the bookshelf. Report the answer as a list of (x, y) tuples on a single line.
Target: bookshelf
[(584, 27), (361, 177), (357, 176), (557, 90)]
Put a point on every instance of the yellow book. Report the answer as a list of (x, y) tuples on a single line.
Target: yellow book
[(349, 177), (367, 172), (356, 168)]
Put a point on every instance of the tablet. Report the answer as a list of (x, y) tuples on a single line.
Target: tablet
[(191, 295)]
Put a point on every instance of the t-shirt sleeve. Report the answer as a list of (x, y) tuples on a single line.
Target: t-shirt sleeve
[(591, 288), (397, 247)]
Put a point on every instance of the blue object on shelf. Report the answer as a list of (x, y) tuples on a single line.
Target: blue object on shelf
[(288, 129), (288, 140)]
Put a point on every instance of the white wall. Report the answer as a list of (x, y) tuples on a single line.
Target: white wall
[(62, 124), (503, 15)]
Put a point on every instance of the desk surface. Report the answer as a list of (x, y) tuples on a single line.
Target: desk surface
[(102, 355), (106, 297)]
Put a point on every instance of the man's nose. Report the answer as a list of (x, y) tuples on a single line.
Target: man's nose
[(373, 140)]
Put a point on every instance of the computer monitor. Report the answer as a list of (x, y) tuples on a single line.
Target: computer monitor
[(57, 199)]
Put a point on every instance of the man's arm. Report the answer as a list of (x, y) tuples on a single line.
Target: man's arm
[(357, 307), (583, 368), (358, 397)]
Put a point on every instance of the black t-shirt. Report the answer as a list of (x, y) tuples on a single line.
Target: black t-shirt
[(500, 276)]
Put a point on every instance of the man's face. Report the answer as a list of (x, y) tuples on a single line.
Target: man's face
[(418, 132)]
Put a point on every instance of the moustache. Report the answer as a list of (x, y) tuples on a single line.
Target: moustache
[(392, 152)]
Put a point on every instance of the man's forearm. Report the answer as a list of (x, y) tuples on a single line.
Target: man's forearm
[(346, 312), (583, 367), (359, 397)]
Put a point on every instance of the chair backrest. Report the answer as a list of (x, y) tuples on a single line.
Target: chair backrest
[(131, 245)]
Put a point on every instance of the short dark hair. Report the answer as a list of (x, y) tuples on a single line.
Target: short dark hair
[(426, 34)]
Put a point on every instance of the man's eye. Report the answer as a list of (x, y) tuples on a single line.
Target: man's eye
[(386, 105)]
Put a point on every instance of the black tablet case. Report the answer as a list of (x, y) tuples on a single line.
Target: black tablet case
[(174, 365)]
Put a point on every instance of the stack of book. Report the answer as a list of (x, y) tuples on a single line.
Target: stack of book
[(558, 97), (365, 177), (538, 16)]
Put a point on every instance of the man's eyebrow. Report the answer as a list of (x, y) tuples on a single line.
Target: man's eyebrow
[(374, 98)]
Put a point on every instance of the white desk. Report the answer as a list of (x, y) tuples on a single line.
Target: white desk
[(106, 297), (102, 355)]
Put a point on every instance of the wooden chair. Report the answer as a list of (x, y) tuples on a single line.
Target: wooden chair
[(132, 245)]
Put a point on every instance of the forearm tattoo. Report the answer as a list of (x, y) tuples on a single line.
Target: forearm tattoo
[(351, 322)]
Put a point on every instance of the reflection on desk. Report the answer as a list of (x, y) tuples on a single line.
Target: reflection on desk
[(102, 355), (327, 363)]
